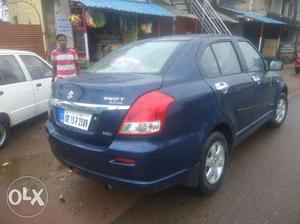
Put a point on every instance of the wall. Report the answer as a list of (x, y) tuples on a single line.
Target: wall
[(187, 26), (276, 6), (257, 6), (49, 18), (298, 12), (27, 12)]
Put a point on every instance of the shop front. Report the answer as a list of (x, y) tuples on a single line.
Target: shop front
[(102, 26)]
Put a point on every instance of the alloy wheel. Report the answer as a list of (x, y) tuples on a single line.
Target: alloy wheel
[(2, 134), (280, 110), (215, 162)]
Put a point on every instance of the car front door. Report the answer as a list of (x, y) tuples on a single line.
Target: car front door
[(265, 82), (233, 88), (16, 93), (40, 74)]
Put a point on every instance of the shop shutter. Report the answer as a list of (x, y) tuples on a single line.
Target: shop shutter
[(22, 37)]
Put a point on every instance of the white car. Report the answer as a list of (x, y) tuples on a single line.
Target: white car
[(25, 88)]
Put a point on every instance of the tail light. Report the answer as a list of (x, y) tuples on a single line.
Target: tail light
[(147, 115)]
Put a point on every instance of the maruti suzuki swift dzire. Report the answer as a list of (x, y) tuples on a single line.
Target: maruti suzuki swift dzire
[(165, 111)]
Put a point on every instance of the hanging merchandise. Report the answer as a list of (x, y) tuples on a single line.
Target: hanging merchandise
[(75, 20), (99, 19), (149, 28), (90, 20), (143, 28), (146, 28), (96, 19)]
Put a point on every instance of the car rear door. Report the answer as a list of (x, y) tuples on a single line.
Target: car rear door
[(265, 82), (232, 86), (16, 93), (40, 73)]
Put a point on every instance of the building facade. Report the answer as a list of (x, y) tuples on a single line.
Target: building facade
[(54, 17)]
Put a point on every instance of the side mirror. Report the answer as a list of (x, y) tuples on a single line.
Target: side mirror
[(275, 66)]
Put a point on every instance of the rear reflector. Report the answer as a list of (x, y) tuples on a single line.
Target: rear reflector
[(75, 170), (147, 115), (124, 160)]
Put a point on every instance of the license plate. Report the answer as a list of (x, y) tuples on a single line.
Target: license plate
[(75, 119)]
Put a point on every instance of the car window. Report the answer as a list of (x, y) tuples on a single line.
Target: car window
[(10, 70), (146, 57), (36, 67), (253, 60), (226, 57), (209, 63)]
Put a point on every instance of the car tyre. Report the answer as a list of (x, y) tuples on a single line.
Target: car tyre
[(280, 111), (297, 70), (4, 133), (213, 163)]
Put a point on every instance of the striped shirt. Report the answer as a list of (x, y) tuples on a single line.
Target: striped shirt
[(65, 62)]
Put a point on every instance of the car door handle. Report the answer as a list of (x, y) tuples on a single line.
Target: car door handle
[(222, 87), (256, 79), (39, 85), (1, 93)]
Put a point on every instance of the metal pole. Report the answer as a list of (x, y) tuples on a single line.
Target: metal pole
[(86, 42), (174, 25), (158, 27), (279, 38), (261, 37)]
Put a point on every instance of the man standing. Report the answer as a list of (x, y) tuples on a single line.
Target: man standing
[(64, 60)]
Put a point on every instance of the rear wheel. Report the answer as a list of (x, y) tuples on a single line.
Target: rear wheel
[(213, 163), (4, 133), (280, 111), (297, 70)]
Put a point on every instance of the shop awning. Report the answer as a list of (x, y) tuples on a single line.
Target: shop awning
[(128, 6), (226, 18), (256, 17)]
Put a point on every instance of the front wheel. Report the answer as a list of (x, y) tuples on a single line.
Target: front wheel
[(213, 163), (280, 111), (3, 134)]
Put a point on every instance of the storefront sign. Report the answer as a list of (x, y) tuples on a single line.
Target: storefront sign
[(63, 26)]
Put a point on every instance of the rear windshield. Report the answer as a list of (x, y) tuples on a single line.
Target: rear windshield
[(146, 57)]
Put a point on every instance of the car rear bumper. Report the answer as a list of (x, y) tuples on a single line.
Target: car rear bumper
[(157, 166)]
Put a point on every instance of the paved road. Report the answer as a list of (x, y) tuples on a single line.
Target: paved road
[(262, 184)]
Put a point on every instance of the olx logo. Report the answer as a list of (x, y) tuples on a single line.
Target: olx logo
[(27, 197)]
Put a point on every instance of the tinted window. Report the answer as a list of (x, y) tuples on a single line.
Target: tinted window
[(147, 57), (209, 64), (227, 58), (36, 68), (252, 58), (10, 71)]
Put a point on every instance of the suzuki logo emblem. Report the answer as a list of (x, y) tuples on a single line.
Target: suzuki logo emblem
[(70, 95)]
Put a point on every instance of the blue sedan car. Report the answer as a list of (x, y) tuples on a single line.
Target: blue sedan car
[(165, 111)]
